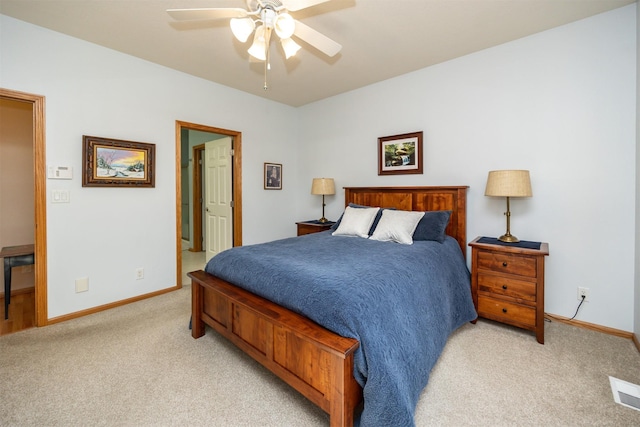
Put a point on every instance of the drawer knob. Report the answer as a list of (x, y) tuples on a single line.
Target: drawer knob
[(504, 264), (504, 287), (504, 310)]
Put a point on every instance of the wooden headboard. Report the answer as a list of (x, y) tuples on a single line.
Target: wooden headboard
[(452, 199)]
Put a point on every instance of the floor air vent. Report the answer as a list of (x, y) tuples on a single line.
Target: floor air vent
[(625, 393)]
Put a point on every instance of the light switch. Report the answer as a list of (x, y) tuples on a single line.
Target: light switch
[(60, 196)]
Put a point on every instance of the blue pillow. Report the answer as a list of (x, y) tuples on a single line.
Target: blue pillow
[(375, 221), (432, 226)]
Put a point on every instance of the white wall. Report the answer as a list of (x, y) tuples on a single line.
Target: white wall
[(560, 104), (106, 233)]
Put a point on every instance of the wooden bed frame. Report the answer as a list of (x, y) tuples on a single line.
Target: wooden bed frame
[(313, 360)]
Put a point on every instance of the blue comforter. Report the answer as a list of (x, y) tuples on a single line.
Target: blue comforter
[(400, 301)]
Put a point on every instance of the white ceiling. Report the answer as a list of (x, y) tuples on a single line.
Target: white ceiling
[(381, 39)]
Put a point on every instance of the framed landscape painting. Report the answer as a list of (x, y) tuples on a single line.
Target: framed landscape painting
[(400, 154), (117, 163)]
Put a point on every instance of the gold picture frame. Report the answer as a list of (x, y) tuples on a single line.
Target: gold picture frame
[(116, 163)]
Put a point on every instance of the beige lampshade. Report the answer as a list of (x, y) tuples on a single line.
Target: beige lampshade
[(324, 186), (508, 183)]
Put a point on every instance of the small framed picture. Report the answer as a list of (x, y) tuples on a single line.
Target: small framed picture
[(272, 176), (400, 154), (117, 163)]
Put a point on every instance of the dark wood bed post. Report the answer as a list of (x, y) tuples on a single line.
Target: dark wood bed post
[(343, 410), (197, 324)]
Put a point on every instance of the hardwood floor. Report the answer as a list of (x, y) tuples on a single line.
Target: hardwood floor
[(22, 311)]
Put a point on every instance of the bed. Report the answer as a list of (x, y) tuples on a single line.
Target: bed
[(341, 372)]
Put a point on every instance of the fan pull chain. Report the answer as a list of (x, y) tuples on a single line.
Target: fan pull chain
[(265, 74), (266, 63)]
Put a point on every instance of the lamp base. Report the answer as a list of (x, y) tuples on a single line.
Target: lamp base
[(508, 238), (323, 220)]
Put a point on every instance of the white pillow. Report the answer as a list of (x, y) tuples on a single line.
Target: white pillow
[(397, 226), (356, 222)]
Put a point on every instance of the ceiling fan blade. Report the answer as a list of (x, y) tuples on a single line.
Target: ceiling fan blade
[(207, 13), (295, 5), (316, 39)]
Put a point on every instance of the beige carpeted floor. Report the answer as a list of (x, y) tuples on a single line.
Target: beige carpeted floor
[(137, 365)]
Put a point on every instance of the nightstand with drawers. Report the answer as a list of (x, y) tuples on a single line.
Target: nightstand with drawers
[(507, 282), (308, 227)]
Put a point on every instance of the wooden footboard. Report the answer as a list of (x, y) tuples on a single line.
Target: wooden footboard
[(313, 360)]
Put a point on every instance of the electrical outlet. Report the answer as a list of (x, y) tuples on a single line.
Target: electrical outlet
[(139, 273), (583, 292), (82, 284)]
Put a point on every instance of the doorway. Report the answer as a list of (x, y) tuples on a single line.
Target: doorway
[(37, 103), (193, 218)]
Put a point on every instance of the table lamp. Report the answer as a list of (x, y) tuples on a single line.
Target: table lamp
[(508, 183), (324, 186)]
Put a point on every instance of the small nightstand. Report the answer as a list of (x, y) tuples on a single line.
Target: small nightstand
[(314, 226), (507, 282)]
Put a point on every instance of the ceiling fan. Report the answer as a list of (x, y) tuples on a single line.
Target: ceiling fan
[(265, 17)]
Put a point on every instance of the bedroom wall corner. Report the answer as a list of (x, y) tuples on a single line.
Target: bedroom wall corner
[(636, 297), (560, 103)]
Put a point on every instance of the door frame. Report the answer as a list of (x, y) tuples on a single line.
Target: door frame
[(196, 245), (40, 198), (236, 182)]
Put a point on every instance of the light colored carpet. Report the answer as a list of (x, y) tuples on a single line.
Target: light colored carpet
[(137, 365)]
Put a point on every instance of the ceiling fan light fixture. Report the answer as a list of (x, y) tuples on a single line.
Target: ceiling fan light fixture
[(284, 25), (290, 47), (242, 28), (259, 47), (262, 17)]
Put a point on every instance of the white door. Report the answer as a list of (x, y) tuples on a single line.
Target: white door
[(218, 196)]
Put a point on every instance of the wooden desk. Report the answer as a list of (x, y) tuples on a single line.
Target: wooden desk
[(14, 256)]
